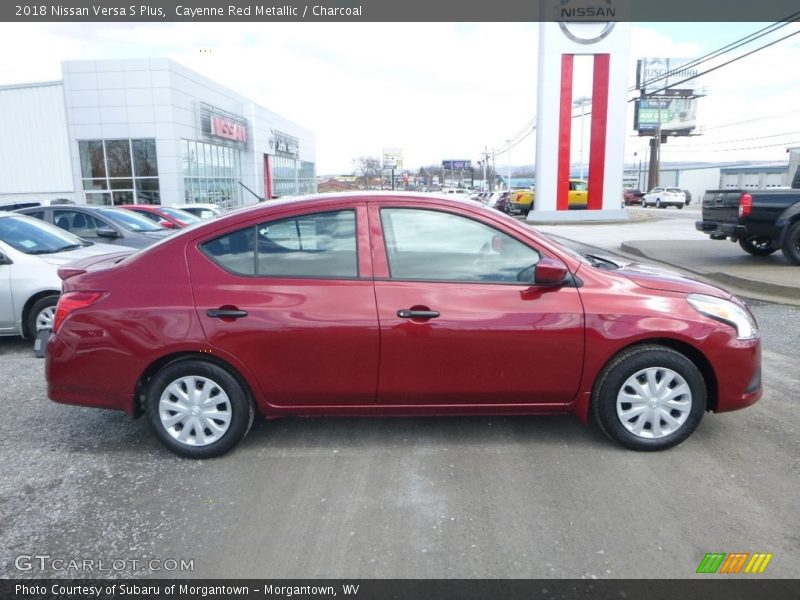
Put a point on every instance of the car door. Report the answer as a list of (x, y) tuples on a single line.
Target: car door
[(461, 322), (292, 298), (83, 224), (7, 310)]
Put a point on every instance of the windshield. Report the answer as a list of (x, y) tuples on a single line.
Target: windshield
[(181, 215), (129, 220), (32, 236)]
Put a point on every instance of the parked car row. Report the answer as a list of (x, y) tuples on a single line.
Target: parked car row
[(35, 240), (30, 253)]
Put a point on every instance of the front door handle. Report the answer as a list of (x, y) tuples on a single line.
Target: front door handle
[(226, 313), (417, 314)]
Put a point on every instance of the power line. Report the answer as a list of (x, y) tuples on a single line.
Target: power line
[(727, 48), (763, 137), (696, 62), (780, 114), (737, 149)]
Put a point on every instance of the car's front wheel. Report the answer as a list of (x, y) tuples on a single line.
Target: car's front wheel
[(658, 203), (649, 398), (198, 409)]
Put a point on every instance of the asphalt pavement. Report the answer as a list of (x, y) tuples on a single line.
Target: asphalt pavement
[(456, 497), (668, 236)]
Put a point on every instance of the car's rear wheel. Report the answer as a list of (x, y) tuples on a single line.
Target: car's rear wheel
[(791, 243), (658, 203), (649, 398), (198, 409), (757, 246), (41, 315)]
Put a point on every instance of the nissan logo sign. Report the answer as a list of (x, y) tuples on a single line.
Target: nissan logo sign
[(586, 21)]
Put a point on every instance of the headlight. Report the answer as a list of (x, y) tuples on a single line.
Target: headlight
[(727, 312)]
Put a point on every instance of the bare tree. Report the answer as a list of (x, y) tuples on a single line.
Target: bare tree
[(367, 168)]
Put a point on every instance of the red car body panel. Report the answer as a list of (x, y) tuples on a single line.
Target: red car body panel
[(156, 209), (336, 346)]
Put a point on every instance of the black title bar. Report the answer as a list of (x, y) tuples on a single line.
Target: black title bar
[(393, 10)]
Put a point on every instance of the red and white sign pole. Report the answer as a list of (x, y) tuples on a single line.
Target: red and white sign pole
[(608, 43)]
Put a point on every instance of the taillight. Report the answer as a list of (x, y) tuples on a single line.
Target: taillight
[(745, 205), (72, 301)]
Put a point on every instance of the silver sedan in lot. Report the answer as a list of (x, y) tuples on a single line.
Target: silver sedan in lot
[(30, 253)]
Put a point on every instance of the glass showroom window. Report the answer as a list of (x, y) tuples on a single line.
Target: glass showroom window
[(307, 179), (119, 171), (284, 176), (211, 174)]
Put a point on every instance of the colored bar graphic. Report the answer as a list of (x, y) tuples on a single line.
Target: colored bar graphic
[(734, 562), (711, 562), (758, 563), (720, 562)]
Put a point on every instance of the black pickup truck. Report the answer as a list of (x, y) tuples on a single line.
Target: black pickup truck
[(762, 221)]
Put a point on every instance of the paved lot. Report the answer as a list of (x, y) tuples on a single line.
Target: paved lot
[(448, 497)]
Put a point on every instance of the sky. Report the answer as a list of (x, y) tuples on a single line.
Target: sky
[(435, 90)]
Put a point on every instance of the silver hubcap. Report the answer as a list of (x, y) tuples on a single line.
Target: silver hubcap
[(44, 320), (195, 411), (654, 403)]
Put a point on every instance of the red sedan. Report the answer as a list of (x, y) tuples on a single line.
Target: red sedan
[(370, 304), (166, 216)]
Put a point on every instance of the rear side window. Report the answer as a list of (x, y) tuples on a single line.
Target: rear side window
[(321, 245)]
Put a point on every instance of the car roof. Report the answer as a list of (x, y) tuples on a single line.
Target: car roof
[(359, 196)]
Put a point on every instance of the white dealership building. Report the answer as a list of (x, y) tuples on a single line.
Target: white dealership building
[(145, 131)]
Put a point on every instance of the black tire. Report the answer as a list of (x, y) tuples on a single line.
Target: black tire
[(613, 382), (40, 316), (658, 203), (757, 246), (680, 206), (238, 406), (791, 243)]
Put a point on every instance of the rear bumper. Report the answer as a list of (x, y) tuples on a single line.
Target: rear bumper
[(719, 230)]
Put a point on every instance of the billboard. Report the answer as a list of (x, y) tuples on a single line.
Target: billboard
[(392, 158), (655, 74), (677, 116), (456, 165)]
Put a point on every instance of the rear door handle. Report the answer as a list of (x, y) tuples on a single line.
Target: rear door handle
[(417, 314), (226, 313)]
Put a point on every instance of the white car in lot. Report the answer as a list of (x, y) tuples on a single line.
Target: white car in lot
[(204, 211), (30, 253), (662, 197)]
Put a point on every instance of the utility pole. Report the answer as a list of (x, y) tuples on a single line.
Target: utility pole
[(508, 183)]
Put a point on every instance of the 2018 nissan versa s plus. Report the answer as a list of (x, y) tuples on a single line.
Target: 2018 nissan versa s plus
[(392, 305)]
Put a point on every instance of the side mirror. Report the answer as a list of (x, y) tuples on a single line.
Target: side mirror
[(167, 224), (106, 232), (497, 244), (5, 260), (550, 272)]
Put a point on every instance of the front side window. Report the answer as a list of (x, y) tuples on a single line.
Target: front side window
[(321, 245), (77, 222), (426, 245)]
